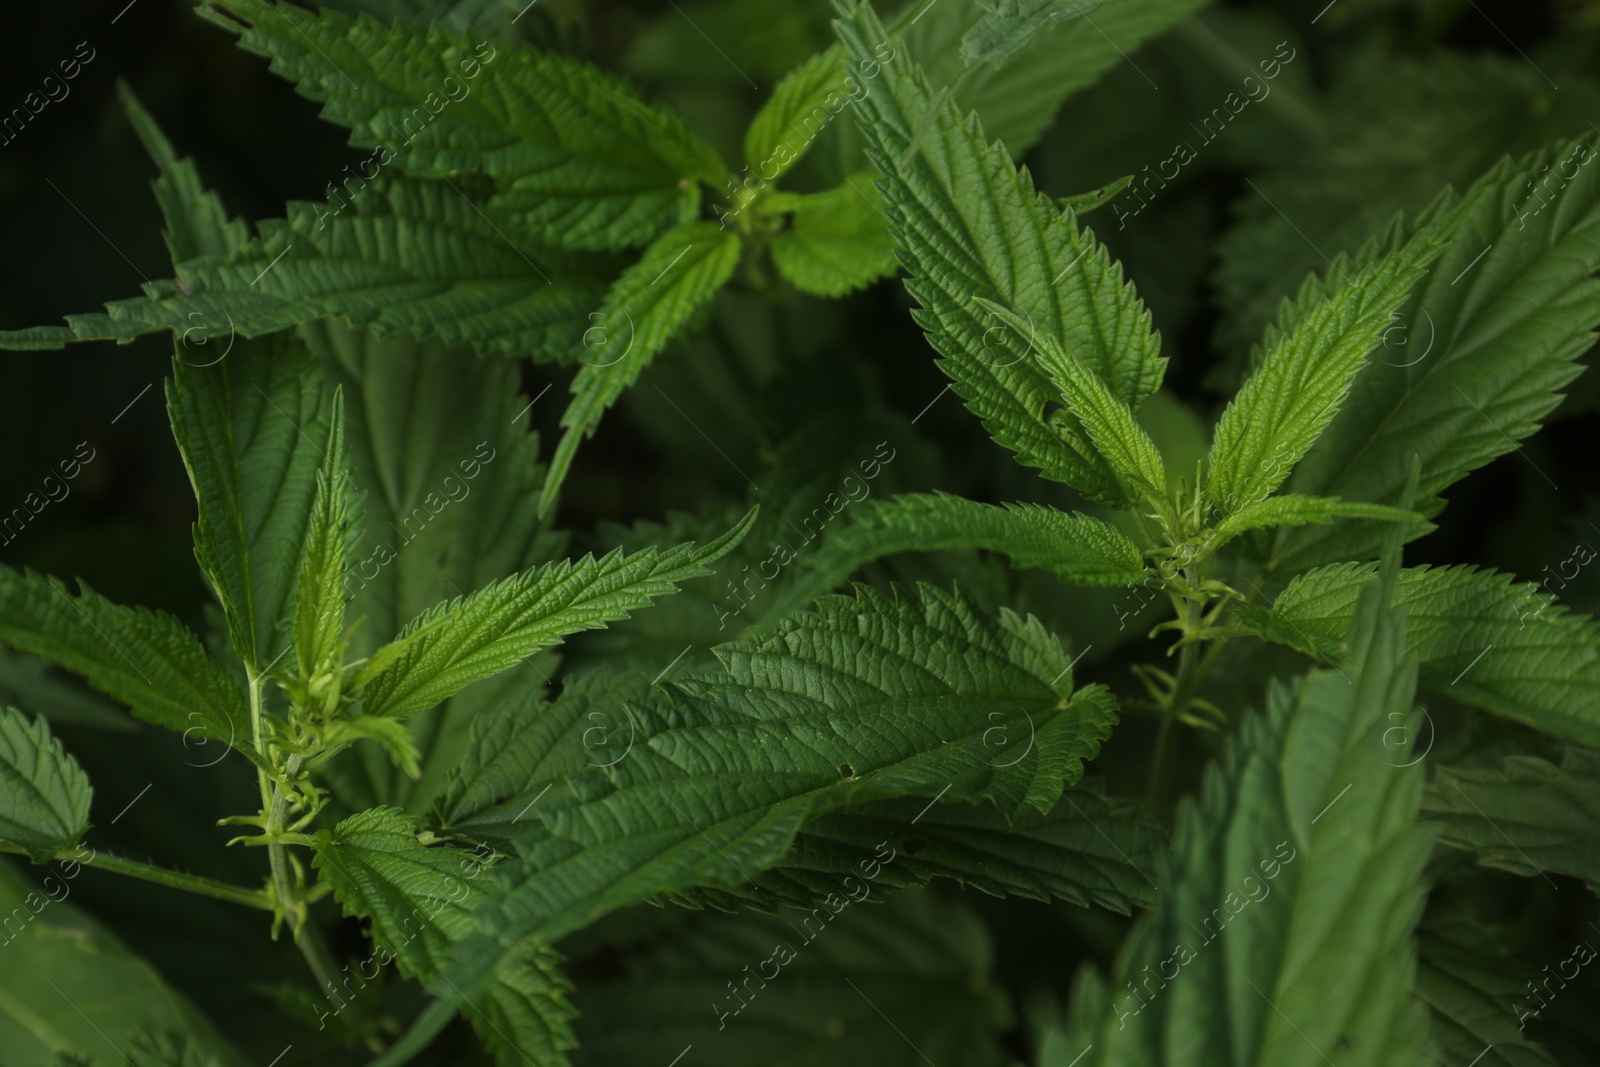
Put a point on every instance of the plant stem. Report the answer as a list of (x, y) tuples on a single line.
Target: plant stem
[(275, 806), (1191, 669), (193, 883)]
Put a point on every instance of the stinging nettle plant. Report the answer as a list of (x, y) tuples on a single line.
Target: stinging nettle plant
[(377, 528)]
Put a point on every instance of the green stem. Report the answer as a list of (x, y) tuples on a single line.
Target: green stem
[(275, 806), (1191, 669), (193, 883)]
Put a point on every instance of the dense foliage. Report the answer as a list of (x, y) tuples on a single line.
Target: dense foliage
[(1163, 696)]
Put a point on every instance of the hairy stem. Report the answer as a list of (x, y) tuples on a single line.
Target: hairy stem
[(286, 888), (1191, 669), (193, 883)]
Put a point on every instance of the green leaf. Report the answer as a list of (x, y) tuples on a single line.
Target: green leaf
[(1076, 548), (1006, 26), (641, 317), (837, 241), (153, 1047), (970, 225), (252, 430), (1283, 930), (148, 660), (44, 794), (778, 137), (1293, 510), (1469, 980), (71, 987), (1527, 818), (1509, 649), (1395, 129), (450, 477), (197, 223), (473, 637), (1490, 344), (922, 962), (420, 899), (1311, 358), (320, 598), (518, 750), (865, 698), (419, 258), (573, 150), (1091, 850), (1109, 424)]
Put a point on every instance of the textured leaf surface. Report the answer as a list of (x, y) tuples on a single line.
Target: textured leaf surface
[(1396, 129), (1489, 345), (1309, 363), (1076, 548), (44, 794), (482, 634), (644, 311), (1006, 26), (413, 257), (147, 660), (252, 429), (197, 223), (864, 698), (573, 149), (837, 241), (969, 224), (380, 870), (1528, 817), (1092, 849), (449, 476), (1479, 639), (1283, 932), (923, 962), (320, 593), (1294, 510)]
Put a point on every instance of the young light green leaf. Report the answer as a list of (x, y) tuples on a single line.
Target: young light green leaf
[(1283, 930), (574, 151), (147, 660), (1108, 422), (320, 597), (801, 107), (1319, 347), (1494, 337), (44, 794), (644, 312), (1509, 649), (1528, 817), (970, 225), (251, 429), (449, 477), (837, 241), (482, 634), (1294, 510), (864, 698), (418, 258)]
